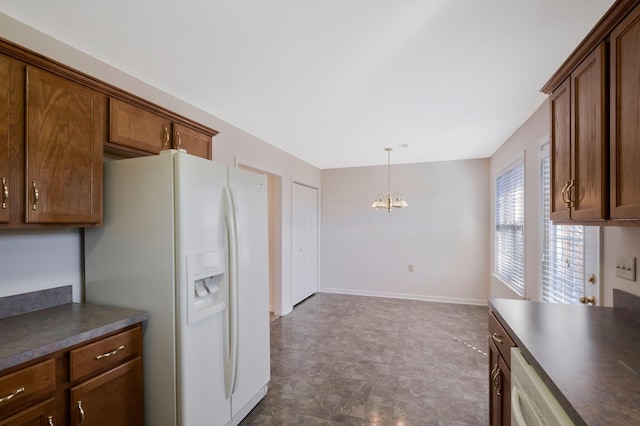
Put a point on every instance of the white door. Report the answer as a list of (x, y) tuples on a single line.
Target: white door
[(304, 222), (592, 282)]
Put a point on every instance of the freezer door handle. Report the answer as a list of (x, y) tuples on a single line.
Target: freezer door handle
[(232, 294)]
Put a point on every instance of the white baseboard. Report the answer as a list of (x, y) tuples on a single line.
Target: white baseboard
[(459, 301)]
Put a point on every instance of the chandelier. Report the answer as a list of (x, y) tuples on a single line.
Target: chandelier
[(386, 201)]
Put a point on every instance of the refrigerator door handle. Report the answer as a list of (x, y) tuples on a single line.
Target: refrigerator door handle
[(232, 294)]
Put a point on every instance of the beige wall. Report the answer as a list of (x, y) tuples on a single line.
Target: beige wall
[(525, 142), (443, 233), (231, 146)]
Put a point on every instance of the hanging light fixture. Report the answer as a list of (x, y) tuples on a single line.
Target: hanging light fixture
[(385, 201)]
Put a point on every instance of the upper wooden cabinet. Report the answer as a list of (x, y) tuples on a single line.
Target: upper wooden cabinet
[(560, 173), (63, 150), (55, 125), (625, 122), (136, 128), (579, 142), (595, 131), (5, 178)]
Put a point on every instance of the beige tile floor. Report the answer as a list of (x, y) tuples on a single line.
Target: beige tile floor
[(355, 360)]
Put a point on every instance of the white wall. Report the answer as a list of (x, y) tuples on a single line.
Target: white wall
[(231, 146), (443, 233), (36, 260), (615, 241)]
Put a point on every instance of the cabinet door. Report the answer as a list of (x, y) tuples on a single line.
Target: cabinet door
[(5, 81), (560, 103), (192, 141), (494, 398), (625, 125), (134, 127), (505, 393), (588, 138), (63, 149), (11, 139), (113, 398), (38, 415)]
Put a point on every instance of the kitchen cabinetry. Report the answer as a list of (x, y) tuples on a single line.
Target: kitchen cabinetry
[(55, 124), (625, 110), (500, 345), (21, 390), (115, 394), (11, 139), (39, 414), (595, 102), (80, 385), (133, 127), (579, 142), (63, 150), (5, 69), (51, 134)]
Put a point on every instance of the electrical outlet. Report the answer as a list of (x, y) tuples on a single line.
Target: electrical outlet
[(410, 268), (626, 267)]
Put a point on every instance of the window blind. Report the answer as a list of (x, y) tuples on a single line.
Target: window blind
[(562, 251), (510, 227)]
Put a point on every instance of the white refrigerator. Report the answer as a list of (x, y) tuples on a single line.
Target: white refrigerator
[(186, 240)]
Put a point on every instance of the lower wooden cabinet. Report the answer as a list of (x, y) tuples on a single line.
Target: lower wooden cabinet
[(115, 395), (38, 415), (500, 345), (499, 388), (98, 383)]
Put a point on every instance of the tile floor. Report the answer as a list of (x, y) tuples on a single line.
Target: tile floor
[(355, 360)]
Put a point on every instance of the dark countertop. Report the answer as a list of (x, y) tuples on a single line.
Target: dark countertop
[(28, 336), (588, 356)]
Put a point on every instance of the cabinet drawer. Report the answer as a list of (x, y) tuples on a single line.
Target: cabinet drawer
[(28, 384), (104, 353), (500, 337)]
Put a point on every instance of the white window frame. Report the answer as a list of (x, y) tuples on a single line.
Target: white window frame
[(569, 282), (510, 264)]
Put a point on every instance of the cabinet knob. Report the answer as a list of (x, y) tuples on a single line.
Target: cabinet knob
[(166, 137), (50, 421), (179, 138), (591, 299)]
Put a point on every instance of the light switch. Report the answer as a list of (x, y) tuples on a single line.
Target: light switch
[(626, 267)]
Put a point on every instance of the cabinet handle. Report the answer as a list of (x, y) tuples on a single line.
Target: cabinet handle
[(166, 136), (11, 395), (81, 410), (566, 194), (497, 383), (36, 195), (179, 140), (113, 352), (5, 193), (565, 200), (497, 338), (50, 419)]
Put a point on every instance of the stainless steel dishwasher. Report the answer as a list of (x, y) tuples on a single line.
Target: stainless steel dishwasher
[(532, 403)]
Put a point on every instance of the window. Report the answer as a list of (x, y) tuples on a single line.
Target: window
[(510, 226), (563, 250)]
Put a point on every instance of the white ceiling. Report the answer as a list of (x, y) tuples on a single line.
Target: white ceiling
[(333, 82)]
